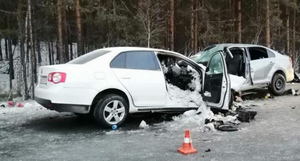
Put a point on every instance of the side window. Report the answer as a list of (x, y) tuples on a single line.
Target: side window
[(258, 53), (144, 60), (270, 54), (118, 61), (216, 64)]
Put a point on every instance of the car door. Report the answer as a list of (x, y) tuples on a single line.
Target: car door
[(140, 74), (216, 85), (261, 63)]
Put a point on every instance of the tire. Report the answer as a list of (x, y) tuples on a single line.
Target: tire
[(277, 86), (111, 110)]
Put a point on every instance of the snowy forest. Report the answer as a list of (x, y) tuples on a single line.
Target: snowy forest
[(43, 32)]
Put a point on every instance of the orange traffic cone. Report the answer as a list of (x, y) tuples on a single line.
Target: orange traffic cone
[(187, 147)]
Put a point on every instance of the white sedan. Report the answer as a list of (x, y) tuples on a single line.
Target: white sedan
[(252, 66), (111, 83)]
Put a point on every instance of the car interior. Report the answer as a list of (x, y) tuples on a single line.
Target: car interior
[(176, 72), (237, 64)]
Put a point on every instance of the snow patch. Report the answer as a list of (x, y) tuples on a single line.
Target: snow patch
[(143, 125), (192, 119)]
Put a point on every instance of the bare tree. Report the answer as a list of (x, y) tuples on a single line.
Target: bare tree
[(171, 24), (65, 32), (31, 49), (148, 13), (268, 23), (294, 34), (287, 25), (192, 42), (22, 50), (79, 30), (239, 20), (60, 32)]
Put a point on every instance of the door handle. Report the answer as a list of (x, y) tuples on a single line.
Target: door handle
[(271, 63), (126, 77)]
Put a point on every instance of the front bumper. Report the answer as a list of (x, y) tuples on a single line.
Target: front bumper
[(84, 109)]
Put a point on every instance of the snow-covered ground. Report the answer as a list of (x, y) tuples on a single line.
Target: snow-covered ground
[(49, 135)]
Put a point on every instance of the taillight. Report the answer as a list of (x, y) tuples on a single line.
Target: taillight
[(57, 77)]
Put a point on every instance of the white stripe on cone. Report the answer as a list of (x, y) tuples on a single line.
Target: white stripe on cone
[(187, 140)]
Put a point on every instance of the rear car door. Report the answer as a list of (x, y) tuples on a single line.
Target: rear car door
[(261, 63), (140, 74), (216, 85)]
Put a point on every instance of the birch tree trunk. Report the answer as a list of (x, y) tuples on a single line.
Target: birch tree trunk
[(22, 51), (31, 50)]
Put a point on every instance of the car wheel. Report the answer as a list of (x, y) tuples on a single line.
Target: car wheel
[(111, 110), (277, 85)]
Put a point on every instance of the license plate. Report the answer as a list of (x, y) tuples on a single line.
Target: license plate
[(43, 80)]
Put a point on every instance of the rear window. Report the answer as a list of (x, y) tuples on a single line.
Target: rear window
[(88, 57)]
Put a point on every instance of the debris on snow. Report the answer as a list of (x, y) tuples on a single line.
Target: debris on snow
[(227, 127), (294, 92), (209, 127), (143, 125), (245, 115), (208, 150), (268, 95), (178, 97)]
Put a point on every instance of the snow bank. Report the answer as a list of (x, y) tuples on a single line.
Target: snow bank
[(190, 98), (178, 97), (236, 82), (30, 110), (193, 120)]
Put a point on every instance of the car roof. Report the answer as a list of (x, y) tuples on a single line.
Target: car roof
[(237, 45), (126, 48)]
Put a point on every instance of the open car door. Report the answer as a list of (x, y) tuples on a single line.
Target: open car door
[(216, 85)]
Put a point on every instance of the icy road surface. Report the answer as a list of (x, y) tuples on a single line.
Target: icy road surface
[(34, 133)]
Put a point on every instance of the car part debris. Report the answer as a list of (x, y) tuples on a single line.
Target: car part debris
[(246, 116), (268, 95), (208, 150), (228, 127)]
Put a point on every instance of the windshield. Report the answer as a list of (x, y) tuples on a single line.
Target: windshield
[(207, 53), (88, 57)]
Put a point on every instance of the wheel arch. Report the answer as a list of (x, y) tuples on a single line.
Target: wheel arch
[(109, 91), (279, 72)]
